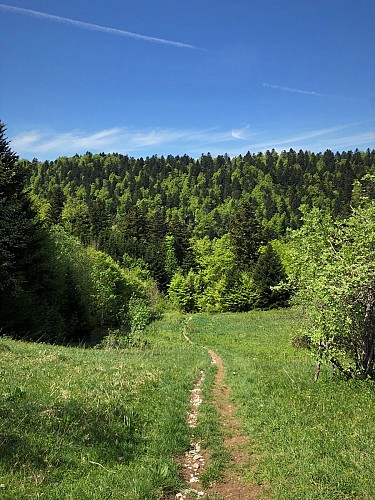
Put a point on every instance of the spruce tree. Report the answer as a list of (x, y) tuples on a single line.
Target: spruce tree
[(246, 235), (16, 218), (27, 276), (268, 273)]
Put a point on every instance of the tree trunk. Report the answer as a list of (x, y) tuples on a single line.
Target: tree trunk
[(317, 371), (368, 335)]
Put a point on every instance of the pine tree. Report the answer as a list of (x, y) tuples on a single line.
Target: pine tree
[(245, 234), (269, 273), (16, 217), (57, 200), (28, 294)]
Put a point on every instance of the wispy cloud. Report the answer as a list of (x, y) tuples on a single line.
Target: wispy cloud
[(300, 138), (42, 143), (241, 133), (366, 139), (123, 140), (50, 145), (94, 27), (321, 139), (316, 94), (296, 91)]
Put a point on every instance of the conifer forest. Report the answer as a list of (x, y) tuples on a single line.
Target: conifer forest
[(97, 243)]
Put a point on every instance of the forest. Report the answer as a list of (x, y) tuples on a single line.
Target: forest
[(95, 246)]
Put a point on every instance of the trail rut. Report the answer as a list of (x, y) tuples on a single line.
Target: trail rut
[(232, 486)]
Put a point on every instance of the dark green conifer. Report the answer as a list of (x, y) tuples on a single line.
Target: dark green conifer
[(269, 273)]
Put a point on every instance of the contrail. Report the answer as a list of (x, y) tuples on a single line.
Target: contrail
[(317, 94), (95, 27), (297, 91)]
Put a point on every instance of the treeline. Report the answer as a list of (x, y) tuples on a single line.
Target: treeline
[(202, 193), (202, 227), (52, 286), (88, 242)]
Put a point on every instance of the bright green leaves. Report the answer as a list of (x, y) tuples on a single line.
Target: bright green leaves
[(336, 273)]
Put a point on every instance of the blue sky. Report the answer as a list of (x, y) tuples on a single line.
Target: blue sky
[(144, 77)]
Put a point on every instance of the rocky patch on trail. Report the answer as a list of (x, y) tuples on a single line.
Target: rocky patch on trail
[(194, 460)]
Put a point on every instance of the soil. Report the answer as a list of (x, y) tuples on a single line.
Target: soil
[(235, 440), (237, 443)]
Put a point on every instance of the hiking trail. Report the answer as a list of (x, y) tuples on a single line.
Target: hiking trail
[(237, 443)]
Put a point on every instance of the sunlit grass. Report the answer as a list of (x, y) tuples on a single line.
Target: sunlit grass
[(313, 440), (92, 424)]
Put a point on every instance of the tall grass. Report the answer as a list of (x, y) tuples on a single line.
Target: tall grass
[(313, 440), (93, 424)]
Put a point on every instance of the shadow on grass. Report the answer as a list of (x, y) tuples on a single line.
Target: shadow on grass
[(66, 434)]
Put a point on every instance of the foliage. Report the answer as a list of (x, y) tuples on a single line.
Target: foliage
[(205, 288), (216, 262), (75, 285), (150, 208), (219, 283), (182, 291), (268, 276), (29, 300), (189, 228), (337, 288), (52, 287), (104, 288), (182, 196), (245, 234), (241, 293), (120, 339), (139, 315)]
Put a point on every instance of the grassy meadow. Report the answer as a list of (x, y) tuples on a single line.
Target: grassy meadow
[(94, 424), (311, 440)]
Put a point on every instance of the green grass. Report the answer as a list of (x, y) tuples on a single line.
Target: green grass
[(313, 440), (92, 424), (210, 435)]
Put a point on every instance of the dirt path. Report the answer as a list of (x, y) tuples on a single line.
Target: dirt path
[(237, 443)]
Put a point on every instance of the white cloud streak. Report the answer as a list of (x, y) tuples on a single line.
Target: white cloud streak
[(313, 93), (241, 133), (49, 145), (320, 140), (366, 139), (300, 91), (296, 91), (300, 138), (95, 27)]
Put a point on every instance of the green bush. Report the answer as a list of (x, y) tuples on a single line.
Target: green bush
[(120, 339), (182, 291), (241, 294), (139, 315)]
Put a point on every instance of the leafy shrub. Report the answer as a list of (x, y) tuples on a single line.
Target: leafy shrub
[(182, 291), (241, 294), (119, 339), (301, 341), (337, 288), (139, 315), (96, 291)]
